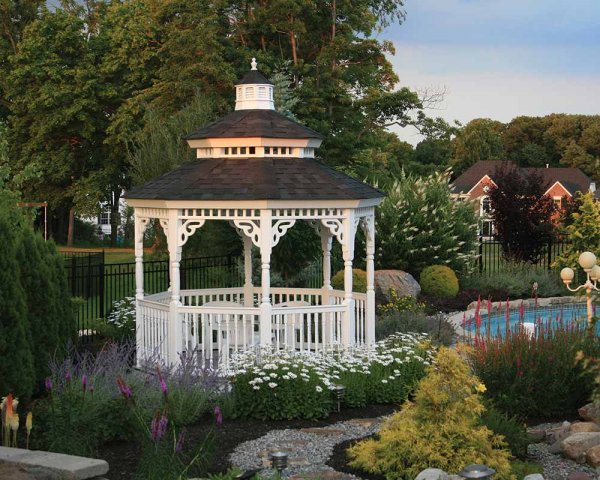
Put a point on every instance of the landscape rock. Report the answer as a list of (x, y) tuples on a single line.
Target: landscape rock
[(593, 456), (556, 447), (534, 476), (579, 427), (576, 445), (402, 282), (432, 474), (536, 434), (557, 434), (579, 476), (590, 412)]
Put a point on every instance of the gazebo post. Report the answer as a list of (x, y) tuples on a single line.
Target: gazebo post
[(326, 239), (248, 287), (348, 326), (139, 227), (266, 245), (369, 227), (174, 333)]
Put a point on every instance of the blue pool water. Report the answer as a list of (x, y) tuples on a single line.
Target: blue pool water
[(545, 316)]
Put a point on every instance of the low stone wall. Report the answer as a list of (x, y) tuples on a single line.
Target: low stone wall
[(21, 464)]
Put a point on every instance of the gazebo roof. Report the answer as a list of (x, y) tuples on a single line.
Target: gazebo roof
[(254, 76), (254, 178), (254, 123)]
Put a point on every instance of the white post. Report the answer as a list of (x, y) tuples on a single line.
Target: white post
[(139, 227), (370, 306), (174, 333), (266, 245), (329, 325), (248, 287), (348, 326)]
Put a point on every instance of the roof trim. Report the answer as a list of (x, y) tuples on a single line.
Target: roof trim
[(481, 180)]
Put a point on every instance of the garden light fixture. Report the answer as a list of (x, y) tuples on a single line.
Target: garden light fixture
[(477, 471), (340, 393), (587, 260), (279, 461)]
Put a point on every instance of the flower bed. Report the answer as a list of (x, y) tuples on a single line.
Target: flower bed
[(285, 385)]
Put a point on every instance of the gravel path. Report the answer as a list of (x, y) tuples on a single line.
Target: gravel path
[(308, 448), (557, 467)]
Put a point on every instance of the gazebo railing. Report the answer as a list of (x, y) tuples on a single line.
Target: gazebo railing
[(216, 322)]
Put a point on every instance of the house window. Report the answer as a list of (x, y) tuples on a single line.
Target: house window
[(275, 151), (486, 206), (234, 150), (267, 150), (226, 151), (252, 150), (238, 93), (104, 218), (249, 93), (243, 150), (558, 202), (262, 92)]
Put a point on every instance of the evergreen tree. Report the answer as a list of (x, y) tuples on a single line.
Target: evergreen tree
[(16, 360)]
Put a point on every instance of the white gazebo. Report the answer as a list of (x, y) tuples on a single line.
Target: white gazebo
[(255, 169)]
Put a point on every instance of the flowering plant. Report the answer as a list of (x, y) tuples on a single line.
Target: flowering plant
[(289, 384)]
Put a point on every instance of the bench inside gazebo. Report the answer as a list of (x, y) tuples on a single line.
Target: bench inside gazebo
[(255, 169)]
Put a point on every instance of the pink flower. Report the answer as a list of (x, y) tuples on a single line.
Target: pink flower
[(218, 415), (124, 388), (48, 384)]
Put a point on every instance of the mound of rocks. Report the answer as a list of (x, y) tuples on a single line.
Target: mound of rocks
[(578, 441)]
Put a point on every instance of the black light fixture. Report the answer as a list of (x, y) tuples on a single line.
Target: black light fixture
[(279, 461), (477, 471), (340, 393)]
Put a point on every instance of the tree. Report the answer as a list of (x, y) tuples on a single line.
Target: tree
[(581, 230), (521, 213), (480, 139), (420, 224)]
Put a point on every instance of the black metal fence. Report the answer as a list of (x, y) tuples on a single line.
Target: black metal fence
[(96, 285), (492, 258)]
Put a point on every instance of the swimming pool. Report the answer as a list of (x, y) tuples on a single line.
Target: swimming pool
[(547, 317)]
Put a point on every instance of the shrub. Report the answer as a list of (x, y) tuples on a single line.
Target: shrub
[(397, 304), (120, 324), (440, 429), (287, 385), (510, 427), (420, 224), (439, 281), (359, 280), (436, 327), (535, 377)]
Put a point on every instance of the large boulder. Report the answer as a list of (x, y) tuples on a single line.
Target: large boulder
[(593, 456), (575, 446), (579, 427), (402, 282), (590, 412), (432, 474)]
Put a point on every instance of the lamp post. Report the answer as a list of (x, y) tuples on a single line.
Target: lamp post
[(587, 260), (279, 461), (477, 471)]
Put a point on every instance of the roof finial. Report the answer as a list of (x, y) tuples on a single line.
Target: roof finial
[(253, 64)]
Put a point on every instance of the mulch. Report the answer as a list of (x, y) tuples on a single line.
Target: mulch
[(339, 461), (123, 457)]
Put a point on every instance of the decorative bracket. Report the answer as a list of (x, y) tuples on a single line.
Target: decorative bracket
[(188, 228), (280, 228), (141, 224), (251, 228), (164, 223), (368, 226), (336, 227)]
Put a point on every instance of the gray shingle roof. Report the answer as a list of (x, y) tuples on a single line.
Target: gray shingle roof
[(254, 179), (254, 123), (254, 76)]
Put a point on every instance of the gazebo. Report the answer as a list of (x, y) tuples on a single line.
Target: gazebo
[(255, 169)]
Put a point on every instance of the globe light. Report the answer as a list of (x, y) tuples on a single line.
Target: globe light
[(587, 260), (567, 275), (595, 273)]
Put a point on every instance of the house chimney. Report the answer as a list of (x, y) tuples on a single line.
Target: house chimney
[(592, 187)]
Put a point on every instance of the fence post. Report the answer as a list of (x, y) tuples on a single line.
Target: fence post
[(550, 253), (73, 276), (101, 284), (480, 254)]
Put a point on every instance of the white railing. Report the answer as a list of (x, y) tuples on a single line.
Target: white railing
[(152, 331), (215, 322)]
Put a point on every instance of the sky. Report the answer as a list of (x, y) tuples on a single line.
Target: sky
[(500, 58)]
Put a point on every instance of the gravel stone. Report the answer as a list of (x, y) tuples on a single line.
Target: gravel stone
[(557, 467)]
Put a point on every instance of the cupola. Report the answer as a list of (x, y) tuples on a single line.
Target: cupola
[(254, 92)]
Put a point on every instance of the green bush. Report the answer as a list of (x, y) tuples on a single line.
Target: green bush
[(437, 327), (513, 430), (439, 281), (287, 385), (516, 280), (406, 303), (359, 280), (535, 377), (439, 429)]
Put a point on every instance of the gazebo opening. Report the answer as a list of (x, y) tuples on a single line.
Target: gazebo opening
[(255, 169)]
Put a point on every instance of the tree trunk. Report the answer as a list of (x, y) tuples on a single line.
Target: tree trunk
[(71, 227), (115, 218)]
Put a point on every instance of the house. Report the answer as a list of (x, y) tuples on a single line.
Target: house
[(473, 185)]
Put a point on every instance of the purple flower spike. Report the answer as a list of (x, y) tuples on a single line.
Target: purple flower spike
[(180, 441), (154, 427), (218, 415), (68, 376), (162, 426), (161, 380), (48, 384), (124, 388), (84, 382)]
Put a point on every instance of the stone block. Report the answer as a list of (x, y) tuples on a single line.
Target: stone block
[(534, 476), (593, 456), (576, 445), (579, 476), (590, 412), (432, 474), (402, 282), (579, 427), (536, 435)]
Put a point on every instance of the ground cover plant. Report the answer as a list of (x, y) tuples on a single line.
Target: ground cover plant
[(437, 327), (287, 384), (534, 376), (440, 429)]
